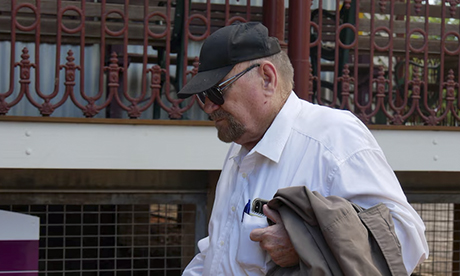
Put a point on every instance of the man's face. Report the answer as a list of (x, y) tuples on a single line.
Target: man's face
[(241, 118)]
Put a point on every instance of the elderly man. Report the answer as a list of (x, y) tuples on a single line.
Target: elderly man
[(245, 82)]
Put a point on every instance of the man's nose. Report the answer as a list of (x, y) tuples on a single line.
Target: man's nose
[(209, 106)]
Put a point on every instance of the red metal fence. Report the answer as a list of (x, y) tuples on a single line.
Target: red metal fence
[(389, 62)]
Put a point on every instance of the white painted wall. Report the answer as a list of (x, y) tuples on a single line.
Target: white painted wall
[(174, 147), (106, 146), (417, 150)]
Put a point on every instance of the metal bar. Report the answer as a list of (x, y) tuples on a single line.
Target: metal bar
[(200, 223), (456, 242), (81, 231), (165, 264), (132, 240), (274, 19), (149, 239), (434, 197), (108, 191), (299, 44), (112, 199)]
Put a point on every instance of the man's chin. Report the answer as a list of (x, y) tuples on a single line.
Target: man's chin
[(225, 135), (224, 138), (227, 130)]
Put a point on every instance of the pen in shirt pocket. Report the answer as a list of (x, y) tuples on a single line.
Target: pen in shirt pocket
[(247, 209)]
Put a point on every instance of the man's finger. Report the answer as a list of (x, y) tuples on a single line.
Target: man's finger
[(256, 234), (273, 215)]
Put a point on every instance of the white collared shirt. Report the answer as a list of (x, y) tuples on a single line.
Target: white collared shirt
[(327, 150)]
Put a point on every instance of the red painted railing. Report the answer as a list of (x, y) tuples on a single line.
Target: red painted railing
[(396, 62), (389, 62)]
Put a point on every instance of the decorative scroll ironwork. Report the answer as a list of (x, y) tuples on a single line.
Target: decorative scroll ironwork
[(75, 23), (403, 57), (389, 62)]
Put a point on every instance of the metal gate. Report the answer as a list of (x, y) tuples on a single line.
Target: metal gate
[(442, 221), (114, 234), (155, 233)]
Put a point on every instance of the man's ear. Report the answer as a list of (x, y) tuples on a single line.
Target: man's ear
[(270, 77)]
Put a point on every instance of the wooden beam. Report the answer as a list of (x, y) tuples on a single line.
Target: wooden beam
[(400, 8), (135, 12), (71, 20), (399, 26)]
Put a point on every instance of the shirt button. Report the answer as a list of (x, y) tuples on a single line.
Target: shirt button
[(222, 243), (245, 175), (233, 208)]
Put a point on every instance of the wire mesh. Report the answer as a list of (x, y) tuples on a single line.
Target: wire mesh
[(159, 239), (156, 239), (442, 228)]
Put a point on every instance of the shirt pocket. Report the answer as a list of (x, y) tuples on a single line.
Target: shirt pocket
[(253, 259)]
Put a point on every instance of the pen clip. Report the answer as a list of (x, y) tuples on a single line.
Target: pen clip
[(247, 209)]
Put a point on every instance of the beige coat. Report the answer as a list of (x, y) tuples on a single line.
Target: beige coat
[(335, 237)]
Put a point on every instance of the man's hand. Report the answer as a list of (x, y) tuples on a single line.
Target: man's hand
[(275, 240)]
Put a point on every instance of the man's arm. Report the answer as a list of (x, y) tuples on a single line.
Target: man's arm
[(367, 179)]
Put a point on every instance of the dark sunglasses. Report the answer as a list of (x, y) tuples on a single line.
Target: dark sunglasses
[(215, 93)]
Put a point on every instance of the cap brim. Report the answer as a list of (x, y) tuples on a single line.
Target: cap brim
[(203, 81)]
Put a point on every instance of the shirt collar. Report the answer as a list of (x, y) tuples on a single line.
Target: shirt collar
[(274, 140), (238, 153)]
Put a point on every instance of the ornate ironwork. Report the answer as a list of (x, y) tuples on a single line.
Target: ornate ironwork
[(391, 62)]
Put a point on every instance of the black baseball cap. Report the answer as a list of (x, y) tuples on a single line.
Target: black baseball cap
[(227, 47)]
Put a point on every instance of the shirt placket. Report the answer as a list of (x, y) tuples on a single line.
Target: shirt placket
[(239, 197)]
